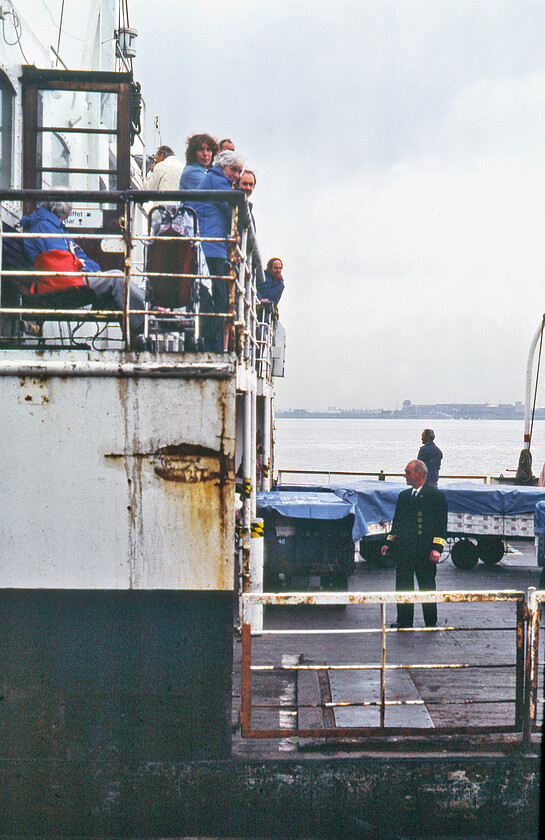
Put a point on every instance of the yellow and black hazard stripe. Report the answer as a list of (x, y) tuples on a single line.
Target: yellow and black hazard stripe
[(266, 468), (256, 528), (246, 488)]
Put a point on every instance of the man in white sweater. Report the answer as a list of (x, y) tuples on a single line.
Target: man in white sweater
[(165, 171)]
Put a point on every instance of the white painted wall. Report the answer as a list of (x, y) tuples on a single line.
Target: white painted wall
[(82, 503)]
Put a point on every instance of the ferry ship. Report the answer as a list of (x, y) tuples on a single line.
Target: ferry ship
[(120, 458), (125, 550)]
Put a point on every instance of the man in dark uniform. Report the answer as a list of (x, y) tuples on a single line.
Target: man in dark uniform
[(431, 455), (417, 538)]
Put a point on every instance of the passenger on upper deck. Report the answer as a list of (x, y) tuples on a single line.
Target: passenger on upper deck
[(49, 253), (271, 290), (166, 170), (247, 182), (200, 151), (226, 144), (214, 218)]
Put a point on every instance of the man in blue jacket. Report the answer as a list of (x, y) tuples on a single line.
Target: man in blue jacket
[(273, 286), (431, 455)]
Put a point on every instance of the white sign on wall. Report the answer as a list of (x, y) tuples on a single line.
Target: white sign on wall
[(85, 217)]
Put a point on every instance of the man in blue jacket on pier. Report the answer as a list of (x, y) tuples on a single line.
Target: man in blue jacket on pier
[(431, 455)]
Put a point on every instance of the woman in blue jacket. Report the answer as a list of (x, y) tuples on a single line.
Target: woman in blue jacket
[(199, 154), (214, 218)]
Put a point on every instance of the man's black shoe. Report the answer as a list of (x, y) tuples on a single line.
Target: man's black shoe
[(397, 626)]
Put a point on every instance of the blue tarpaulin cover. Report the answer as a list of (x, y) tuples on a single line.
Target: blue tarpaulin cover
[(539, 518), (375, 501), (303, 503), (491, 499)]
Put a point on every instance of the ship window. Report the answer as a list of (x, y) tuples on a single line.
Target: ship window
[(60, 158), (78, 109), (77, 133), (6, 132)]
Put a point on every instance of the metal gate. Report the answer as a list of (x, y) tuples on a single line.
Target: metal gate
[(466, 676)]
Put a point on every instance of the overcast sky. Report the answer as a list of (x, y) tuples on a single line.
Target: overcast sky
[(399, 148)]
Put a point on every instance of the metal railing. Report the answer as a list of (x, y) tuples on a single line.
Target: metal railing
[(245, 337), (522, 700), (378, 474), (533, 612)]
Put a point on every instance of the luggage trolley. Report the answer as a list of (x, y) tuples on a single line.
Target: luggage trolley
[(177, 281)]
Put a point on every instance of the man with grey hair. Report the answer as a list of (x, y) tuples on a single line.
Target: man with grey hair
[(416, 540), (166, 171), (62, 254)]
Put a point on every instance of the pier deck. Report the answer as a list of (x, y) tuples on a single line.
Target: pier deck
[(429, 785), (431, 690)]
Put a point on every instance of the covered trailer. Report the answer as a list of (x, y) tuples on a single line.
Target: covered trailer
[(307, 534), (539, 532), (481, 519)]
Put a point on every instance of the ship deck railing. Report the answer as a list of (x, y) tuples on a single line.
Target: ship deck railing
[(249, 323), (476, 673), (329, 476)]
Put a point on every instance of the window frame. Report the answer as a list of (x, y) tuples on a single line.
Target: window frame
[(35, 80), (7, 133)]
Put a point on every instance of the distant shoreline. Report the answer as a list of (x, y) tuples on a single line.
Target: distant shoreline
[(485, 412)]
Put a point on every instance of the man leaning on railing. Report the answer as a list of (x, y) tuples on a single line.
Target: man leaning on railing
[(270, 291)]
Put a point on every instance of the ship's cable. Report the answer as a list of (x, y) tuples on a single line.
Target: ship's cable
[(60, 33), (17, 28), (537, 380)]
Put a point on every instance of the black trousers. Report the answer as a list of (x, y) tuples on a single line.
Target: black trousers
[(424, 570), (219, 302)]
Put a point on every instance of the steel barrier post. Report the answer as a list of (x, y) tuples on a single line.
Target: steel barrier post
[(383, 666), (519, 670), (126, 230), (532, 650), (245, 716)]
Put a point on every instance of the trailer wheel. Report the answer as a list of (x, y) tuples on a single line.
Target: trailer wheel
[(464, 554), (491, 549)]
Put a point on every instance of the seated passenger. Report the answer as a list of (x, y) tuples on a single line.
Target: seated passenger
[(200, 151), (214, 218), (273, 286), (63, 254)]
